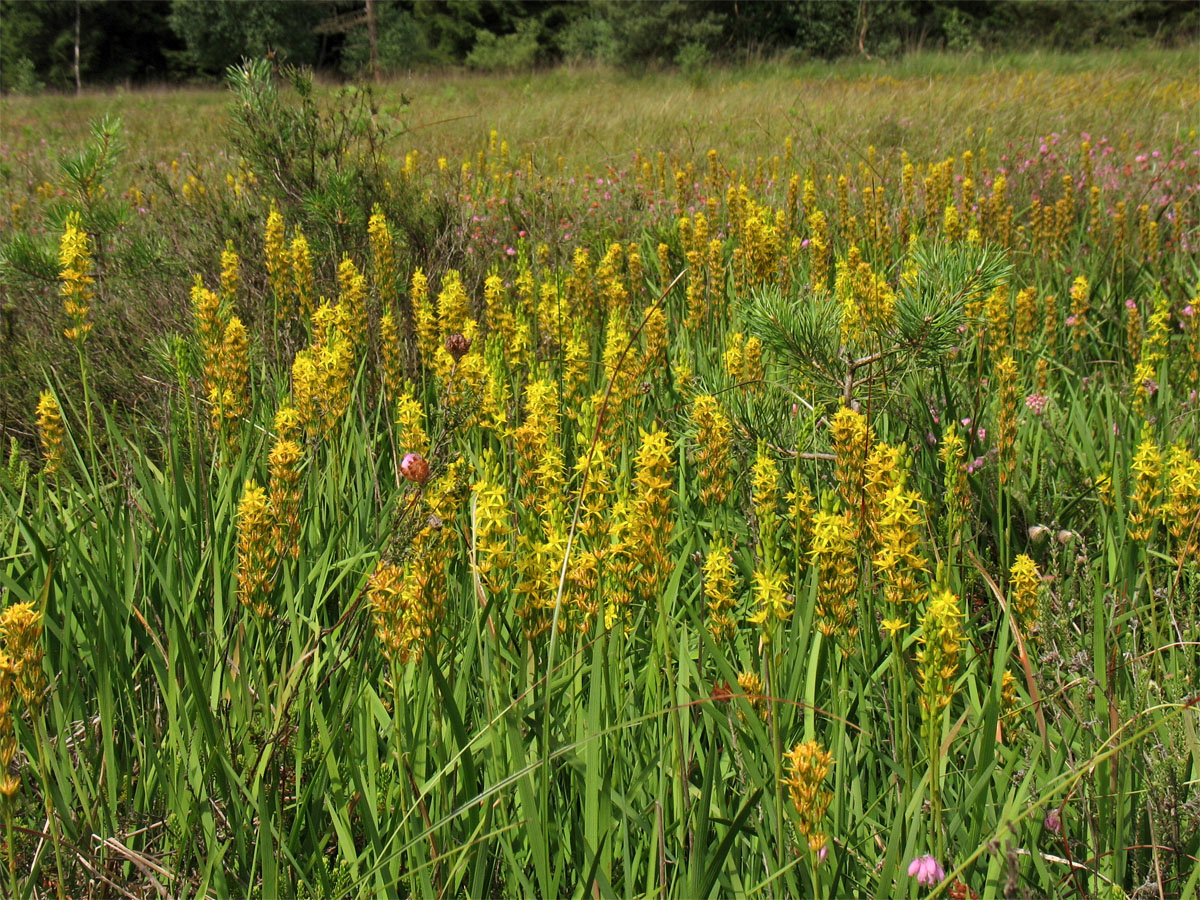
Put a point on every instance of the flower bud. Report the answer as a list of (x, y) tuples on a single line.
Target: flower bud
[(1053, 821), (1038, 533)]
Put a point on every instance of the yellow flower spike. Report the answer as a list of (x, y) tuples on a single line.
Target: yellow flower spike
[(352, 287), (851, 436), (453, 304), (714, 440), (21, 633), (410, 422), (720, 583), (837, 577), (752, 687), (285, 494), (1024, 590), (764, 490), (537, 438), (76, 288), (1005, 378), (383, 258), (303, 288), (425, 317), (1146, 470), (772, 599), (50, 431), (492, 529), (9, 783), (652, 524), (230, 273), (231, 388), (996, 312), (390, 352), (1080, 305), (576, 360), (808, 765), (1181, 509), (277, 259), (941, 639), (1026, 320), (210, 329), (819, 247), (255, 550)]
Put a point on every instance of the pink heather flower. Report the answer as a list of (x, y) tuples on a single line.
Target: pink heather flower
[(1037, 403), (966, 423), (804, 243), (1131, 305), (1071, 320), (510, 251), (1053, 821), (822, 853), (927, 870), (1188, 311), (981, 433)]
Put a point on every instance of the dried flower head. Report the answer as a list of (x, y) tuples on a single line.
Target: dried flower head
[(415, 467)]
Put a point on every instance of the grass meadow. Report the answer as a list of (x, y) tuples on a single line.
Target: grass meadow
[(779, 482)]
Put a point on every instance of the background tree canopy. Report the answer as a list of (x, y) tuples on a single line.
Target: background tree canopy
[(177, 40)]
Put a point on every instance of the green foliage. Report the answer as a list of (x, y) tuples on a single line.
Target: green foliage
[(221, 33), (519, 50), (693, 60), (30, 336), (402, 43), (21, 78), (118, 42), (322, 164), (805, 332), (652, 32), (587, 35)]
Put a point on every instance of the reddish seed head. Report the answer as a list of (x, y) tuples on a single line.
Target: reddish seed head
[(414, 467), (457, 345)]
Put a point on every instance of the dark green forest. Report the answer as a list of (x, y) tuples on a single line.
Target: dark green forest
[(65, 44)]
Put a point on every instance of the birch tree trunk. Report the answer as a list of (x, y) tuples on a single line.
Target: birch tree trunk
[(373, 39), (78, 82)]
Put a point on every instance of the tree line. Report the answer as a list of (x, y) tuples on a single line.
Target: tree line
[(65, 44)]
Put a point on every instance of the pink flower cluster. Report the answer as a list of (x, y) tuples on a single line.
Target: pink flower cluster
[(927, 870)]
